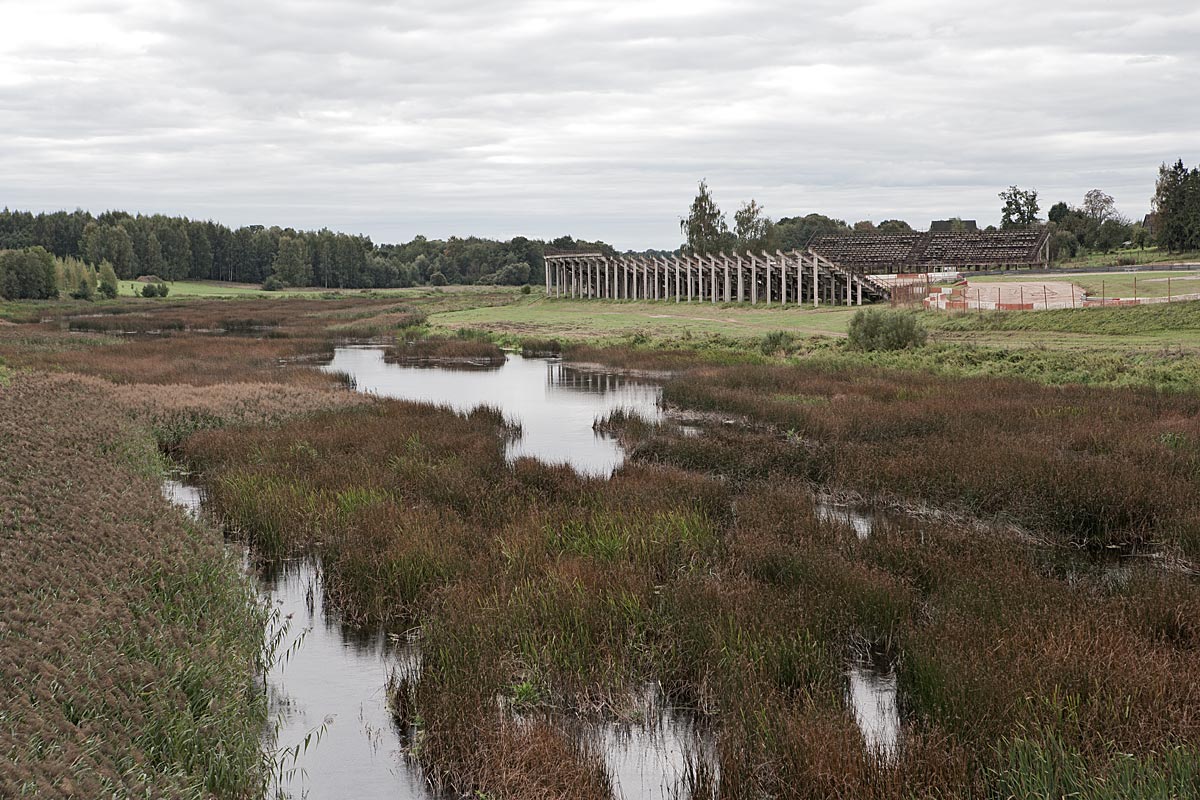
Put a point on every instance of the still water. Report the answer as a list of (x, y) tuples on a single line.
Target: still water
[(554, 404), (331, 690), (872, 696), (328, 685)]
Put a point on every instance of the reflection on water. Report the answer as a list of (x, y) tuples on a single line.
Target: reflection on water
[(554, 404), (328, 686), (858, 521), (871, 695), (335, 682), (651, 758), (187, 497)]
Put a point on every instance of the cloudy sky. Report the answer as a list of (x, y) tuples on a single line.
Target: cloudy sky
[(591, 118)]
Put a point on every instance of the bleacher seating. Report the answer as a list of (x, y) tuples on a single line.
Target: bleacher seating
[(927, 252)]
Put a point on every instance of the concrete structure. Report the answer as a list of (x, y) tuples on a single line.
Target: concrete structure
[(757, 278)]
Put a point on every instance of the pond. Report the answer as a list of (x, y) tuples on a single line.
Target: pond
[(554, 404)]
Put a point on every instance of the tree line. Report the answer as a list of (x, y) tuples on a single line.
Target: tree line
[(706, 229), (178, 248)]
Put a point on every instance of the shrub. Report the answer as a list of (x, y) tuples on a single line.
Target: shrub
[(155, 290), (437, 279), (526, 289), (877, 329), (272, 284), (775, 341), (108, 280)]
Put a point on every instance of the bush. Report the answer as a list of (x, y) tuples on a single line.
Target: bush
[(526, 289), (155, 290), (775, 341), (272, 284), (877, 329), (437, 279)]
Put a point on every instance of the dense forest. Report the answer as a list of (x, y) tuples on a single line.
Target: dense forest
[(177, 248)]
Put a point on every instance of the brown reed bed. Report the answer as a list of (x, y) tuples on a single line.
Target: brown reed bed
[(128, 640), (447, 350), (530, 582), (1089, 467)]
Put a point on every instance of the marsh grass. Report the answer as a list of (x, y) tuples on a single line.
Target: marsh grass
[(542, 594), (1093, 468)]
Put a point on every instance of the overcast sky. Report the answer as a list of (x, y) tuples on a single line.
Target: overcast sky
[(590, 118)]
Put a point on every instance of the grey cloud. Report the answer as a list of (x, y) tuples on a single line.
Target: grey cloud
[(594, 118)]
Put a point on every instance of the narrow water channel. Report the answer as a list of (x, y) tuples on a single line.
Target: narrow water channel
[(555, 404), (327, 687), (331, 690), (872, 696)]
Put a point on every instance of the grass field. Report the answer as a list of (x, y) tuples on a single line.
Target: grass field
[(611, 321), (1148, 255)]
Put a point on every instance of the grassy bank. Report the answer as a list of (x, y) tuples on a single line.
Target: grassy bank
[(130, 640)]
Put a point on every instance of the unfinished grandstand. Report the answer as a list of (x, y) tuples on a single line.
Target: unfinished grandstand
[(849, 269)]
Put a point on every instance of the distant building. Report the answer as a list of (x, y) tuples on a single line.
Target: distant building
[(953, 226), (1150, 223)]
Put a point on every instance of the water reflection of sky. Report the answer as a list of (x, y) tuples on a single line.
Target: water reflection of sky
[(555, 404), (872, 698), (335, 682)]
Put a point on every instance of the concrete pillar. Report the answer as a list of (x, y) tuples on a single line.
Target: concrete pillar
[(741, 279), (688, 266), (799, 279), (783, 261), (860, 292), (767, 262), (816, 283), (753, 280)]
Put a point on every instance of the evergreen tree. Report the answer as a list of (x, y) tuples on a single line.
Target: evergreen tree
[(1177, 206)]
